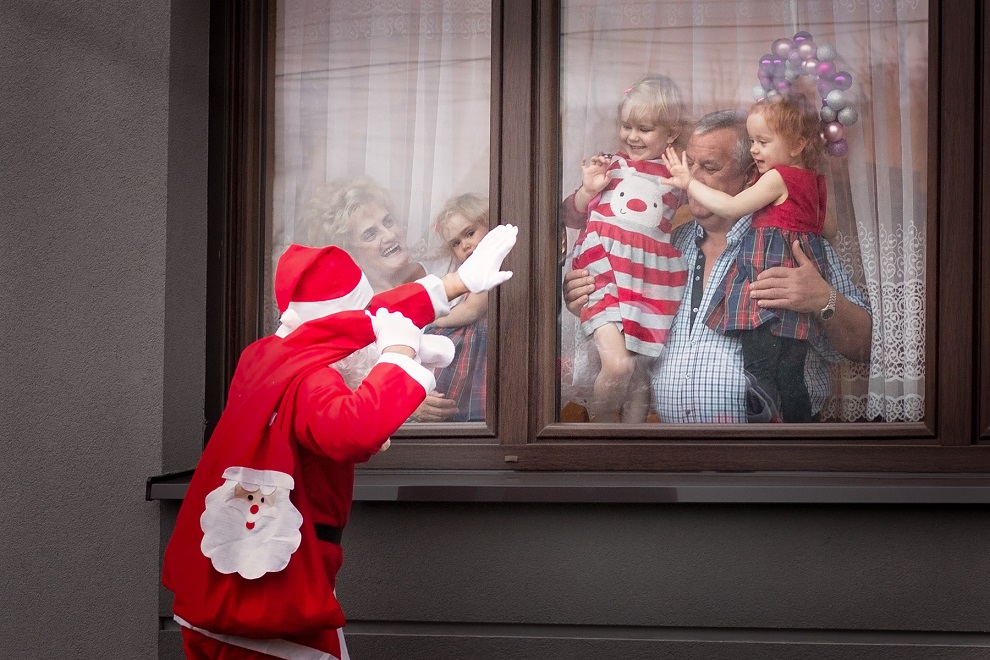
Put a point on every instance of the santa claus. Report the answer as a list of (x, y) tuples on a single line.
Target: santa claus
[(256, 548)]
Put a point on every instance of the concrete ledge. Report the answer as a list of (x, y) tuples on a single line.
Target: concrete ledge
[(644, 487)]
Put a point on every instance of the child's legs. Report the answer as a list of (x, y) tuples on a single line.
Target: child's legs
[(761, 357), (795, 402), (637, 406), (612, 383)]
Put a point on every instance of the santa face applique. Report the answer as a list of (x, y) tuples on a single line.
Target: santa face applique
[(255, 502), (250, 525)]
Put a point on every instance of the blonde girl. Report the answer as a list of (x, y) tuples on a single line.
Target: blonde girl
[(461, 224), (625, 211)]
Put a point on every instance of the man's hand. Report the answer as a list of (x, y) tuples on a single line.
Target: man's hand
[(577, 287), (435, 408), (802, 288)]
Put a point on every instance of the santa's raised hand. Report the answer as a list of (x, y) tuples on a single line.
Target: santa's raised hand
[(483, 269)]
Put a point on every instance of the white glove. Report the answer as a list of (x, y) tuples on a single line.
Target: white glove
[(435, 351), (394, 329), (482, 271)]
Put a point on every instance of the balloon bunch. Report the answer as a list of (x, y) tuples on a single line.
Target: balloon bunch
[(790, 59)]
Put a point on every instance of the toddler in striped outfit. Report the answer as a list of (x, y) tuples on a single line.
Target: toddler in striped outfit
[(626, 212)]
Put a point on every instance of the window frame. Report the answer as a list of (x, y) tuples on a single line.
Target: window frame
[(954, 438)]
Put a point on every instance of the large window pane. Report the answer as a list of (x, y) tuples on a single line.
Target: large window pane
[(382, 146), (877, 187)]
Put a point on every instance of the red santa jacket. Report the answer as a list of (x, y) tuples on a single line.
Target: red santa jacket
[(288, 411)]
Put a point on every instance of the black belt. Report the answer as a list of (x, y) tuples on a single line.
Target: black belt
[(329, 533)]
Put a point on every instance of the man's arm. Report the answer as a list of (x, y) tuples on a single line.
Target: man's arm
[(803, 289)]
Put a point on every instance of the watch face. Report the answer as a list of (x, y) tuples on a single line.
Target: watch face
[(827, 313)]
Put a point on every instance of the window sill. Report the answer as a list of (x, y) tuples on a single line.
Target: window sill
[(643, 487)]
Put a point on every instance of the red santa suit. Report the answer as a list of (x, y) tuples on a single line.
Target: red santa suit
[(255, 552)]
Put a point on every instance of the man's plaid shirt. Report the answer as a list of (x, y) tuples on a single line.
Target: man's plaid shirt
[(699, 377)]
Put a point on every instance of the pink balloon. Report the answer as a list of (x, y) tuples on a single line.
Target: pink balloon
[(807, 50), (834, 131), (826, 69), (782, 48)]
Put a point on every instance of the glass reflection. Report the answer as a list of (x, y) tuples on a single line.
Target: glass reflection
[(382, 146), (866, 80)]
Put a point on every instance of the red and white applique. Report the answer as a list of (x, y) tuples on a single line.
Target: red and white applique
[(250, 526)]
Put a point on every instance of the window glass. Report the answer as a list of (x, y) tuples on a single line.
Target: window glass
[(382, 146), (654, 342)]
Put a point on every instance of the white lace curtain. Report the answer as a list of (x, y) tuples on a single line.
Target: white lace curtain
[(396, 89), (879, 190)]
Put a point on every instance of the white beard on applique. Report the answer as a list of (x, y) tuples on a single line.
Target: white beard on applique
[(250, 526)]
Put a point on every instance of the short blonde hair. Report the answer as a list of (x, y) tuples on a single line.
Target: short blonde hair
[(471, 206), (657, 98), (327, 216)]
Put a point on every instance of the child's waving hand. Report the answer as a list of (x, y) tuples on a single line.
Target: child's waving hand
[(594, 173), (680, 173)]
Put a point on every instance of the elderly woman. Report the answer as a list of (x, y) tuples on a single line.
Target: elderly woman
[(356, 214)]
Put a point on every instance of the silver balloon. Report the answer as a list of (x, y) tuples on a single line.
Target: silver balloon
[(836, 100), (826, 52), (828, 114), (791, 74), (758, 92), (847, 116)]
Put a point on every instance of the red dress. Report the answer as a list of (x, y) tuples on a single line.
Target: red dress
[(768, 244)]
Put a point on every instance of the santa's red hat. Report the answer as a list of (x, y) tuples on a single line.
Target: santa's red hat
[(313, 282)]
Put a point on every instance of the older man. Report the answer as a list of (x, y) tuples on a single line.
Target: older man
[(700, 376)]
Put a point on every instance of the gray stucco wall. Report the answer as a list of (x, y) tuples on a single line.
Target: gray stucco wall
[(102, 265)]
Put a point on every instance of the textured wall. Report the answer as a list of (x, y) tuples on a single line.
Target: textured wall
[(102, 265)]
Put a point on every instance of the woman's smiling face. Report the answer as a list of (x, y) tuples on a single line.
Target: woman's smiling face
[(377, 242)]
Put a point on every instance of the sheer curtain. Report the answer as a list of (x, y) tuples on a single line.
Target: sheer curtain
[(399, 90), (879, 191)]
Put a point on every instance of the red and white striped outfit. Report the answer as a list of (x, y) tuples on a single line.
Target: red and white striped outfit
[(626, 246)]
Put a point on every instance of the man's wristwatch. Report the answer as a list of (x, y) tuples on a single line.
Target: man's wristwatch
[(828, 311)]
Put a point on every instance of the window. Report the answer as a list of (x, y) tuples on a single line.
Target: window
[(536, 66)]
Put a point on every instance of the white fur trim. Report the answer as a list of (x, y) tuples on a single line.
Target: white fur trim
[(279, 648), (298, 313), (435, 351), (438, 294), (416, 371), (260, 478)]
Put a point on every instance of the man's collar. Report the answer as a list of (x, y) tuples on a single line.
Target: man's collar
[(734, 235)]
